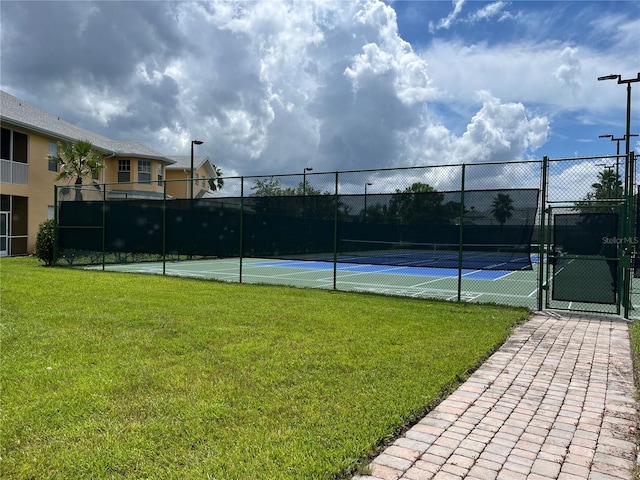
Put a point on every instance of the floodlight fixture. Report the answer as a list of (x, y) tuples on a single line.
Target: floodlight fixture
[(609, 77), (617, 140)]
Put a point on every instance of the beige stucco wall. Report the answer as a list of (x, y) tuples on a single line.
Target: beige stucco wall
[(40, 188), (178, 184), (110, 174)]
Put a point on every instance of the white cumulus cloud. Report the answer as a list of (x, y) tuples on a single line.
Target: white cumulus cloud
[(274, 86)]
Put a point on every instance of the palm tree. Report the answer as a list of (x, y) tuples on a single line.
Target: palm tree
[(77, 161), (216, 182), (502, 208), (608, 186)]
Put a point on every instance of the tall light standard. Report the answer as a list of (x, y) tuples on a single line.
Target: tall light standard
[(304, 180), (606, 178), (629, 176), (368, 184), (617, 140), (629, 81), (193, 142)]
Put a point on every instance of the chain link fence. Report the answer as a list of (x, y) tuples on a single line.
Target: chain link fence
[(511, 233)]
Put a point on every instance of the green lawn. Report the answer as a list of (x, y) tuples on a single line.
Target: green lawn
[(111, 375)]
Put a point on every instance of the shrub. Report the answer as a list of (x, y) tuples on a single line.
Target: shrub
[(44, 241)]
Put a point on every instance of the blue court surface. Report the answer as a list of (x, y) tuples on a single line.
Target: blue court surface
[(473, 285), (388, 270)]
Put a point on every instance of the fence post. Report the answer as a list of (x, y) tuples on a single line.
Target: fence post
[(542, 237), (460, 234), (335, 237), (629, 220), (55, 224), (241, 246), (104, 225), (164, 228)]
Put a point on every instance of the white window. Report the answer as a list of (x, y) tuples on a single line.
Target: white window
[(53, 151), (13, 146), (144, 171), (160, 176), (50, 211), (124, 170)]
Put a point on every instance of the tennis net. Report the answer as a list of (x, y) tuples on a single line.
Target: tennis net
[(438, 255)]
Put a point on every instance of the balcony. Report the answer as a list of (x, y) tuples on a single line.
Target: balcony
[(14, 172)]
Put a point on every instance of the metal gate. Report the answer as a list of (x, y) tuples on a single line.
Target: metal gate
[(583, 263), (590, 245)]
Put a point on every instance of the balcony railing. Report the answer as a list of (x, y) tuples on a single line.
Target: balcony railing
[(14, 172)]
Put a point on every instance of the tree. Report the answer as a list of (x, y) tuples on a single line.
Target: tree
[(421, 203), (77, 161), (269, 187), (45, 242), (304, 188), (607, 187), (216, 182), (376, 213), (502, 208)]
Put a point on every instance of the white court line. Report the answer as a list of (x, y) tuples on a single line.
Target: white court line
[(415, 290), (283, 275), (399, 287), (409, 288), (470, 273), (502, 277), (466, 297)]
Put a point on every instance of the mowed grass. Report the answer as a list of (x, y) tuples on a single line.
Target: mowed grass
[(112, 375)]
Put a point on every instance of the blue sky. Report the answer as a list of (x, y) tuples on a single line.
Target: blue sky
[(602, 27), (273, 86)]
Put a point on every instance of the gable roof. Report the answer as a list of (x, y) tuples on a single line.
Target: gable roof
[(184, 161), (22, 114)]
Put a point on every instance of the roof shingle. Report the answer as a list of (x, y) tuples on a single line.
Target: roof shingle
[(20, 113)]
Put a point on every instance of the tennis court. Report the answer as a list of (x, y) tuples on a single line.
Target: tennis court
[(441, 233), (420, 282)]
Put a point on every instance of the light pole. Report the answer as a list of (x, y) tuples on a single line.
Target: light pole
[(368, 184), (193, 142), (629, 177), (304, 180), (617, 140), (607, 178)]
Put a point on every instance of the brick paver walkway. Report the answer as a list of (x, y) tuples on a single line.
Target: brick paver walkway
[(555, 402)]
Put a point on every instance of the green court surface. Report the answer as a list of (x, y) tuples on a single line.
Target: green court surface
[(518, 288)]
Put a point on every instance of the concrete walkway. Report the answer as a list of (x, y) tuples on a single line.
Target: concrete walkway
[(557, 401)]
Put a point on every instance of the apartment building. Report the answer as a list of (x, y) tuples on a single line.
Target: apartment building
[(178, 174), (27, 178)]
